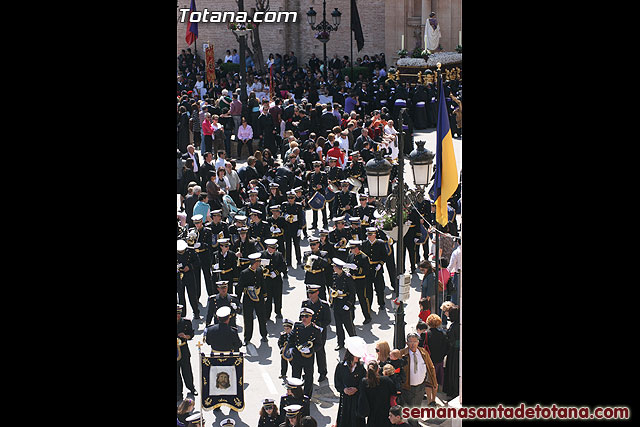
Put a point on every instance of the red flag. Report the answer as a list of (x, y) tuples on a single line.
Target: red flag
[(192, 27)]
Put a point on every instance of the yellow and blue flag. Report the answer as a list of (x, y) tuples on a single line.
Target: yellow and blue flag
[(446, 177)]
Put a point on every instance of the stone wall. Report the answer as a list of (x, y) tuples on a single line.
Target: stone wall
[(383, 23)]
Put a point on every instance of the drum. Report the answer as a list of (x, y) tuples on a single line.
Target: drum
[(331, 192), (317, 201), (355, 184)]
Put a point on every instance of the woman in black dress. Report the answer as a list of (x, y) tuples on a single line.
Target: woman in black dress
[(347, 379), (188, 175), (451, 372), (377, 391)]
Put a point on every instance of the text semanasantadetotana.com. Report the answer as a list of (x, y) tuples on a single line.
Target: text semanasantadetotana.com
[(520, 412)]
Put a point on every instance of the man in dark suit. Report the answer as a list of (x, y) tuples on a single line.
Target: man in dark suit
[(190, 202), (328, 121), (206, 169), (248, 172)]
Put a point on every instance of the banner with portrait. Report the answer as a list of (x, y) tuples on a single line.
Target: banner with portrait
[(222, 380), (210, 64)]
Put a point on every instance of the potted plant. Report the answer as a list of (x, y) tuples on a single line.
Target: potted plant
[(459, 48), (403, 53), (389, 223), (322, 36)]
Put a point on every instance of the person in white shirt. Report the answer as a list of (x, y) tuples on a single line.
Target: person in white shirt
[(391, 136), (199, 87), (421, 375), (343, 139), (228, 57), (455, 268), (220, 162)]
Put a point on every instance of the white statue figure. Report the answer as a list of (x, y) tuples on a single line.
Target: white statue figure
[(432, 33)]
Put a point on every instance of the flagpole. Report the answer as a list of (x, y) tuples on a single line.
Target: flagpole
[(437, 251), (351, 39), (200, 380)]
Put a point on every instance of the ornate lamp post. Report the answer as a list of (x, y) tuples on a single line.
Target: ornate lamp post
[(324, 28), (242, 30), (378, 174)]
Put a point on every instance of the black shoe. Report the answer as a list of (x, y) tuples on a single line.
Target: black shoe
[(366, 321), (194, 392), (264, 339), (278, 316), (322, 378)]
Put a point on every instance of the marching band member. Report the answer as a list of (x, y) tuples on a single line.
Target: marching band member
[(321, 317), (318, 181), (273, 277), (362, 277), (223, 299), (339, 237), (343, 302), (374, 248), (293, 214), (251, 286), (305, 338)]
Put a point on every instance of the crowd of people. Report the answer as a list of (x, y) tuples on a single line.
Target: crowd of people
[(239, 228)]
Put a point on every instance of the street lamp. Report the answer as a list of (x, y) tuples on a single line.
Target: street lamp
[(378, 173), (421, 160), (324, 28)]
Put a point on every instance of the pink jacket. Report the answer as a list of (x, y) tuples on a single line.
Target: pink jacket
[(207, 129)]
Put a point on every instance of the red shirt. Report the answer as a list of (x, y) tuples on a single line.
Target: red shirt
[(338, 154)]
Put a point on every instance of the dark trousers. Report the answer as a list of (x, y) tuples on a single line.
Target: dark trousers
[(364, 297), (324, 218), (205, 265), (300, 364), (248, 308), (249, 147), (274, 295), (188, 283), (208, 143), (378, 284), (196, 139), (289, 240), (284, 367), (321, 354), (184, 367), (390, 266), (414, 250), (197, 275), (343, 320)]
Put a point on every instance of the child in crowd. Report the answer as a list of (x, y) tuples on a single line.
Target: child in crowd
[(421, 328), (424, 309), (282, 342), (398, 363), (389, 371)]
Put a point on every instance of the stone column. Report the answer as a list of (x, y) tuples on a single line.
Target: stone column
[(426, 10)]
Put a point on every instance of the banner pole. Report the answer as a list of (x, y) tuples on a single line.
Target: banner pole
[(200, 381)]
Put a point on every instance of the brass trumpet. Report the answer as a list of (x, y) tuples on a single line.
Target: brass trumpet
[(179, 352)]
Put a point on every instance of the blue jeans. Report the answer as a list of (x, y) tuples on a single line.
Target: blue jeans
[(202, 149), (454, 295)]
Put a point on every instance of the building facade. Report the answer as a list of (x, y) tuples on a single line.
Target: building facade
[(384, 22)]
